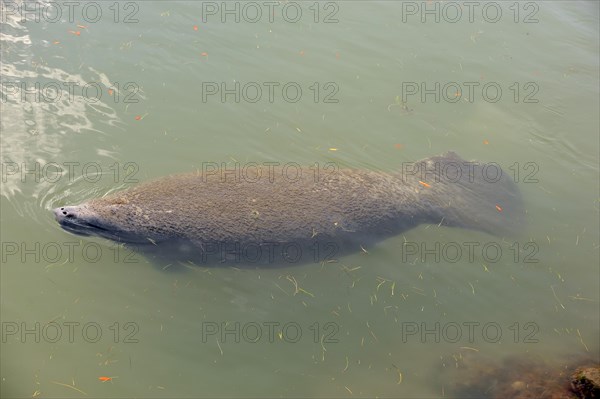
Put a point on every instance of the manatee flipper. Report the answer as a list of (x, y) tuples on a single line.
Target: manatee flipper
[(469, 194)]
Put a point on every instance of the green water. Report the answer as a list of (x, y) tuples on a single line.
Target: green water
[(350, 59)]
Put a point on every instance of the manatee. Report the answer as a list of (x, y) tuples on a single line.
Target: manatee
[(277, 214)]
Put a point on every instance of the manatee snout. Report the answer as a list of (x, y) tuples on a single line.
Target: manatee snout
[(77, 219), (65, 212), (85, 220)]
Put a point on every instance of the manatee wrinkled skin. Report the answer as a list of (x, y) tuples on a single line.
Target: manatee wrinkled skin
[(307, 216)]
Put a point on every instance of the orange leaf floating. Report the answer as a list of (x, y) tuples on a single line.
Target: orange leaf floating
[(56, 42), (104, 379), (110, 92), (77, 33), (424, 184), (301, 52), (398, 146), (204, 54), (485, 142), (82, 26), (499, 208), (195, 27), (137, 118)]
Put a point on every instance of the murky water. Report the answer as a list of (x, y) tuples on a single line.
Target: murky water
[(131, 91)]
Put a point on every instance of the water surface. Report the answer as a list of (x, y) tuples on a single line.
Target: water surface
[(353, 62)]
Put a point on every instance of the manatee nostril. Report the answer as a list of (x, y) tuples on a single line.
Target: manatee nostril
[(64, 212), (70, 215)]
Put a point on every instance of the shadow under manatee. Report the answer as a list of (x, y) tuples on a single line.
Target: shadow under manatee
[(176, 255)]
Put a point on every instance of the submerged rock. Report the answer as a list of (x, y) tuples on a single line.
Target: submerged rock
[(523, 377), (585, 382)]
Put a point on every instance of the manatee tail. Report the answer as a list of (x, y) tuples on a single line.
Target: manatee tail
[(469, 194)]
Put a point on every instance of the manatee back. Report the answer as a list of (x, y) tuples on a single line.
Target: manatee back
[(261, 207)]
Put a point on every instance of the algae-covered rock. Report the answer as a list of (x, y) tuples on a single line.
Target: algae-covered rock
[(585, 382)]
